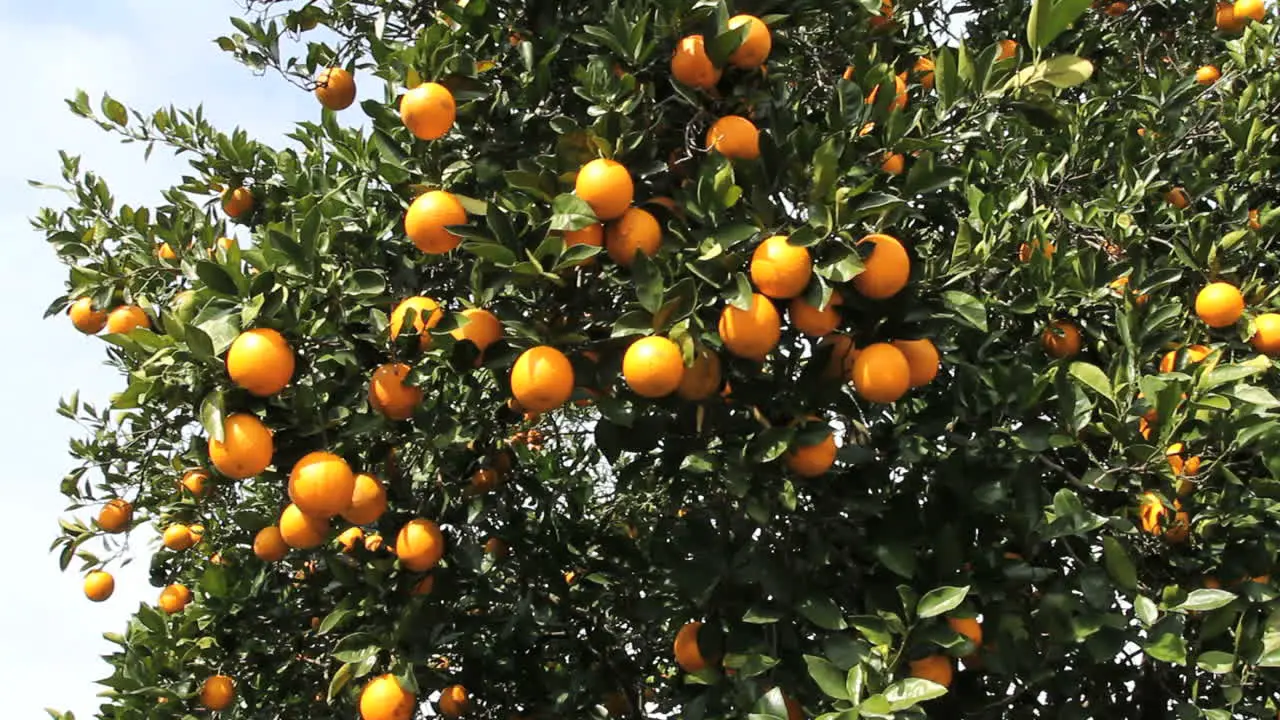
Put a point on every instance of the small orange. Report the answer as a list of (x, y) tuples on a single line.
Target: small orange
[(687, 651), (482, 328), (542, 379), (702, 379), (1061, 339), (885, 271), (690, 64), (1266, 335), (454, 701), (881, 373), (260, 361), (98, 585), (269, 544), (1207, 75), (592, 235), (885, 18), (1008, 49), (755, 47), (373, 542), (322, 484), (246, 448), (1254, 222), (936, 668), (351, 537), (427, 315), (1118, 8), (420, 545), (894, 163), (843, 353), (653, 367), (115, 516), (383, 698), (424, 586), (496, 548), (1219, 304), (1224, 17), (217, 693), (1244, 10), (237, 202), (922, 358), (779, 269), (85, 318), (814, 322), (1181, 465), (1026, 250), (224, 243), (1177, 197), (606, 186), (968, 627), (1152, 513), (813, 460), (484, 480), (428, 219), (636, 231), (126, 318), (389, 395), (751, 333), (174, 598), (1192, 355), (165, 252), (734, 137), (1121, 285), (193, 481), (177, 537), (428, 110), (924, 68), (368, 501), (335, 88), (300, 530), (899, 93)]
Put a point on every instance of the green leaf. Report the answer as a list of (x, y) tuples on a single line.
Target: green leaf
[(909, 692), (216, 278), (1223, 374), (1165, 641), (1092, 377), (1119, 565), (213, 581), (334, 619), (1048, 19), (1066, 71), (1206, 599), (499, 255), (940, 600), (821, 611), (1145, 609), (829, 678), (968, 307), (355, 648), (365, 283), (724, 44), (114, 110), (212, 413), (648, 280), (340, 679), (1216, 662), (570, 212)]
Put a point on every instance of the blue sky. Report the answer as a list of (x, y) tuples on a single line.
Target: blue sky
[(146, 53)]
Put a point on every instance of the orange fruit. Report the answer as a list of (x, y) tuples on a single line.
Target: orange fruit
[(636, 230), (496, 547), (197, 533), (688, 654), (174, 598), (1219, 304), (899, 93), (98, 585), (542, 379), (269, 544), (922, 359), (126, 318), (894, 163), (1207, 75), (1008, 48), (936, 668), (224, 243), (349, 538), (780, 269), (843, 353), (814, 322), (454, 701), (482, 328), (691, 65), (428, 219), (428, 110), (1248, 10), (300, 530), (606, 186), (389, 395), (881, 373), (335, 88), (424, 586), (383, 698), (813, 460), (592, 235), (1152, 513), (1121, 284), (237, 202), (484, 480), (420, 545), (322, 484), (702, 379), (1193, 355), (1266, 335), (968, 627), (1179, 463), (755, 47), (924, 68), (115, 516), (885, 271), (1254, 222), (193, 482), (368, 501), (165, 252), (1118, 8), (1224, 17), (218, 692), (246, 448), (751, 333), (427, 315), (373, 542), (177, 537), (1061, 339), (1026, 250), (85, 318), (885, 18), (1177, 197), (653, 367), (734, 137), (260, 361)]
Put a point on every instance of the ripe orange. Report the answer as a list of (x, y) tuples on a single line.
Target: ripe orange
[(751, 333), (174, 598), (1118, 8), (389, 395), (424, 586), (177, 537), (899, 93), (428, 219), (302, 531), (218, 693), (843, 353), (885, 18), (368, 501), (335, 88), (85, 318), (197, 533), (1046, 247), (115, 516), (606, 186), (1177, 197), (454, 701), (165, 252), (894, 163), (653, 367), (427, 315), (636, 230), (691, 65), (1224, 17), (98, 585), (246, 448), (1192, 355), (794, 709), (269, 544), (126, 318), (1207, 75), (1061, 339), (755, 48), (383, 698), (484, 480), (968, 627), (542, 379), (1254, 221), (349, 538), (924, 67), (885, 271), (482, 328), (1008, 48), (322, 484), (260, 361), (922, 358), (420, 545), (1151, 513), (702, 379), (193, 481), (592, 235), (1248, 10), (688, 654), (224, 243), (813, 460), (237, 202), (779, 269), (428, 110), (936, 668), (734, 137), (1219, 304), (1266, 335), (814, 322), (881, 373), (496, 548), (1121, 285), (1180, 463), (373, 542)]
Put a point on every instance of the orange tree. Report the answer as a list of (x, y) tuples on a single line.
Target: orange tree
[(651, 358)]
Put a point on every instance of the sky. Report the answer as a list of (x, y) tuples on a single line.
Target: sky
[(145, 53)]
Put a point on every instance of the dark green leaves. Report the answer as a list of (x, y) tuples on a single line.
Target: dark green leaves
[(967, 307), (1119, 565), (821, 611), (829, 678)]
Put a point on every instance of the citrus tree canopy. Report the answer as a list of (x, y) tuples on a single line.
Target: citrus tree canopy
[(664, 358)]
